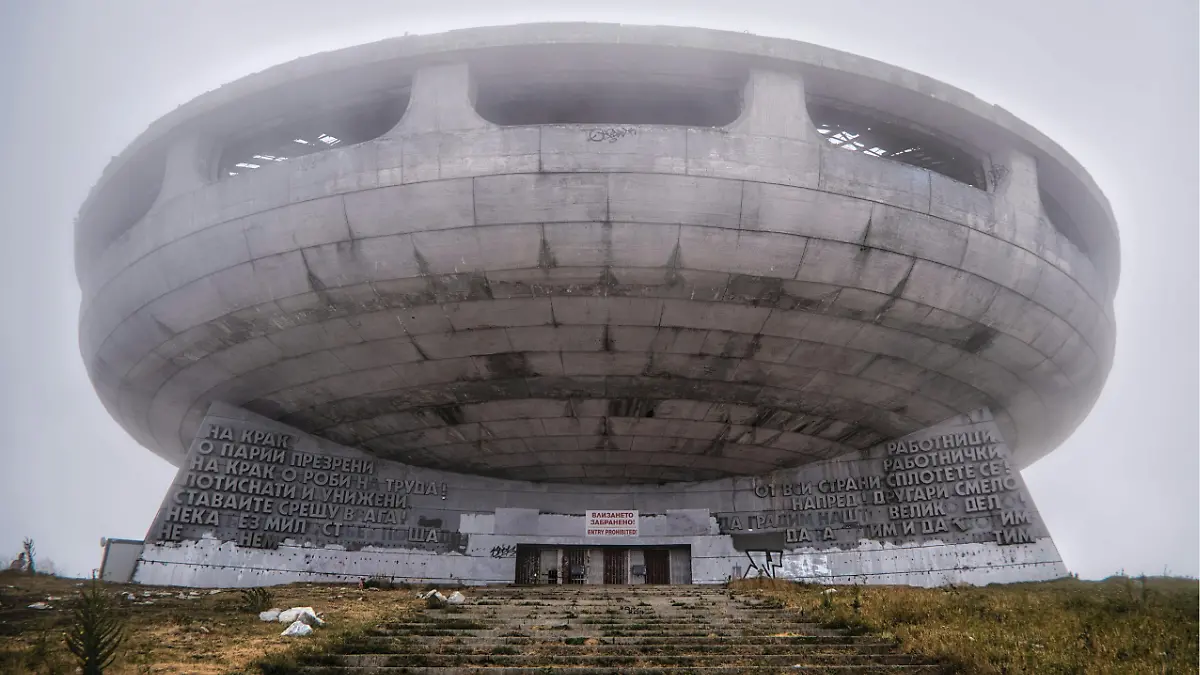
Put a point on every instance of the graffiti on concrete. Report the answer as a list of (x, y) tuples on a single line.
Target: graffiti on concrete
[(506, 551), (763, 564), (611, 134)]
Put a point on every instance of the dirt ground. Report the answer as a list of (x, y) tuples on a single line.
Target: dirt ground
[(172, 630)]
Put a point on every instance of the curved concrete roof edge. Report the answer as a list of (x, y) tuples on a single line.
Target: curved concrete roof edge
[(783, 49)]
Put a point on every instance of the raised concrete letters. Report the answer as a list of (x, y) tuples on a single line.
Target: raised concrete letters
[(948, 484), (261, 488)]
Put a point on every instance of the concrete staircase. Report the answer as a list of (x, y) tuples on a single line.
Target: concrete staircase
[(612, 629)]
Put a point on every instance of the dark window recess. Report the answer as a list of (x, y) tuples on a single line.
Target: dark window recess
[(867, 133), (300, 136), (608, 102), (1063, 222)]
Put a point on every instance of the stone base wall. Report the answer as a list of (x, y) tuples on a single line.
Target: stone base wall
[(259, 503), (213, 564)]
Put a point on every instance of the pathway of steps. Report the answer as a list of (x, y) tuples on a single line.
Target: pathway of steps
[(612, 629)]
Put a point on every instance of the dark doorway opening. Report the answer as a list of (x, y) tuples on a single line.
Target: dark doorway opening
[(575, 565), (528, 565), (658, 566), (616, 566)]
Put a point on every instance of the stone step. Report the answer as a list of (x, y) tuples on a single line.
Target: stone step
[(375, 646), (631, 630), (553, 632), (619, 670), (528, 638), (666, 623), (610, 660), (602, 608)]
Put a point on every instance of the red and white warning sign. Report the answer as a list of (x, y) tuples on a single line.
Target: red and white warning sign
[(612, 523)]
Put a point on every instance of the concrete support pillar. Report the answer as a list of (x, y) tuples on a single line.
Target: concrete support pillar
[(187, 167), (1019, 204), (442, 100), (1016, 180), (773, 104)]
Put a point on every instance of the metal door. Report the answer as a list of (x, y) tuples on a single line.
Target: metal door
[(658, 566), (616, 566), (574, 566), (528, 565)]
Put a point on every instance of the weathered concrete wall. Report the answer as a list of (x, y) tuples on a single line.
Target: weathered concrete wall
[(261, 503), (120, 560)]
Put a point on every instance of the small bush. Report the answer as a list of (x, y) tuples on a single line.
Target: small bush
[(28, 546), (385, 583), (257, 600), (96, 631)]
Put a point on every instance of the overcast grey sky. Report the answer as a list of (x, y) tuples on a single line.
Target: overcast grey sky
[(1114, 82)]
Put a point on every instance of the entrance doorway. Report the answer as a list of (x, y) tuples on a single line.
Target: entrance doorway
[(600, 564), (528, 565), (575, 565), (616, 566), (658, 565)]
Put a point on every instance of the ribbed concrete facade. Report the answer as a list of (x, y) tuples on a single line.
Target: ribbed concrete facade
[(612, 293)]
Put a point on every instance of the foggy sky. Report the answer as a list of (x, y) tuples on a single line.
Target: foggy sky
[(1114, 82)]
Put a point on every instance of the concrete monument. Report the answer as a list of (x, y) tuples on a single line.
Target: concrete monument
[(510, 304)]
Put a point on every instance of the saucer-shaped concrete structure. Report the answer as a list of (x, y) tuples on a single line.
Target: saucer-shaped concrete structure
[(580, 253)]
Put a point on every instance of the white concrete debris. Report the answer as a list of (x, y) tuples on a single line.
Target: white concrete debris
[(297, 629), (303, 614), (432, 594), (456, 598), (270, 615)]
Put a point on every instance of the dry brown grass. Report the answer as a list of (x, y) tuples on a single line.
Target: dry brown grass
[(1066, 626), (204, 635)]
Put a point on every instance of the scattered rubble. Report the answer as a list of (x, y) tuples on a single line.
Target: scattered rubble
[(305, 615), (433, 599), (270, 615), (297, 629)]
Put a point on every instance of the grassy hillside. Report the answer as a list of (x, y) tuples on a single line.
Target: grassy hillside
[(178, 632), (1119, 625)]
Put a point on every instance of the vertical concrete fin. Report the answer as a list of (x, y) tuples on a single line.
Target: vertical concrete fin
[(773, 104), (1016, 178), (1019, 207), (443, 99), (187, 167)]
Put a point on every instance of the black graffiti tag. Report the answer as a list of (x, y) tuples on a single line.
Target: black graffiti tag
[(611, 134), (504, 551)]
